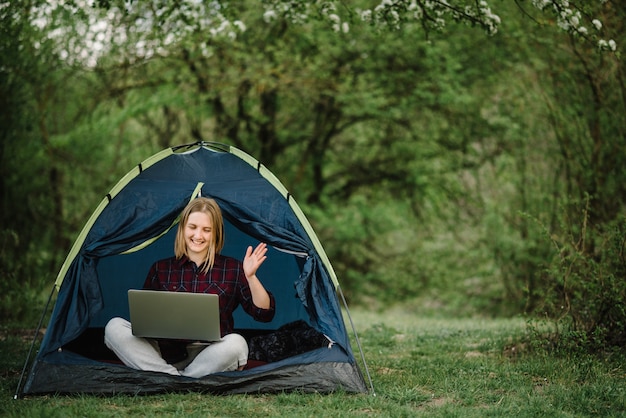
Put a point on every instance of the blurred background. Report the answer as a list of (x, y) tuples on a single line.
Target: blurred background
[(450, 168)]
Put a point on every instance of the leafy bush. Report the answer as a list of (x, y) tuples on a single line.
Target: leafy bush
[(585, 290)]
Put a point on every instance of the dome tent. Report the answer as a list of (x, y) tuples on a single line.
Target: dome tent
[(135, 224)]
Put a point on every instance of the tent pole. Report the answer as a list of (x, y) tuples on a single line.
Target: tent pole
[(32, 345), (358, 342)]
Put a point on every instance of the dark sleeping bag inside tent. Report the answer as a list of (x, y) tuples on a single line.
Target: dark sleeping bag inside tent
[(305, 347)]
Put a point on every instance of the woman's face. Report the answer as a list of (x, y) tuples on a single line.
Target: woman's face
[(198, 234)]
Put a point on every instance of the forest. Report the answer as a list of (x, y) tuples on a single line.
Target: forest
[(463, 158)]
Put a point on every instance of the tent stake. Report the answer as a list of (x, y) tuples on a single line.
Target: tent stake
[(32, 345), (358, 342)]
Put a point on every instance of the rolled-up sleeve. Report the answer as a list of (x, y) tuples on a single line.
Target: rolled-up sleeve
[(264, 315)]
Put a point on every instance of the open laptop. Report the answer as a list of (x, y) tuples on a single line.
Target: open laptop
[(179, 315)]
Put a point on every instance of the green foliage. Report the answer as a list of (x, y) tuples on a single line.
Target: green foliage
[(26, 246), (426, 163), (583, 290)]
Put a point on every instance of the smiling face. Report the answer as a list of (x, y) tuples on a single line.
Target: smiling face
[(198, 234)]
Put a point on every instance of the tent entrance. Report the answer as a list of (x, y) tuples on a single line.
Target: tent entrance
[(92, 283)]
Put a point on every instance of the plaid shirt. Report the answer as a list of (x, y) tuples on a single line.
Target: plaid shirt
[(225, 279)]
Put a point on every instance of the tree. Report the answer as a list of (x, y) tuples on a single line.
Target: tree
[(578, 18), (391, 131), (30, 175), (556, 238), (586, 104)]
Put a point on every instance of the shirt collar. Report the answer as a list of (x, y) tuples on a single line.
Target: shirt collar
[(186, 261)]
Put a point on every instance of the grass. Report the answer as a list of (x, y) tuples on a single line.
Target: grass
[(433, 367)]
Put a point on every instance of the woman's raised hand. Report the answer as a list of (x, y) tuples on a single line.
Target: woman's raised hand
[(253, 259)]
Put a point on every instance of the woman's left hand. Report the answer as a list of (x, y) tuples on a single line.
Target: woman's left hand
[(253, 259)]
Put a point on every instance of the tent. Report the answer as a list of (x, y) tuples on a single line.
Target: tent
[(135, 224)]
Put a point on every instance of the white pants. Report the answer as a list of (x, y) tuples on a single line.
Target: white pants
[(230, 353)]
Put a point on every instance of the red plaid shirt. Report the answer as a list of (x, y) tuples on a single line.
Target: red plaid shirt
[(225, 279)]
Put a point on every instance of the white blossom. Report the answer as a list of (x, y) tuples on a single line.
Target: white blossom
[(269, 15), (240, 25), (612, 45), (597, 24)]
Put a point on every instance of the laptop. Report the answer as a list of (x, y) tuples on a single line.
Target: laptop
[(177, 315)]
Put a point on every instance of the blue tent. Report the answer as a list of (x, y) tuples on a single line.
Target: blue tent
[(134, 225)]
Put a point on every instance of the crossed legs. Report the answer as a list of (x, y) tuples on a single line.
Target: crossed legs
[(230, 353)]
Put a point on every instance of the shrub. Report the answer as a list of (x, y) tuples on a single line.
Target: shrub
[(585, 290)]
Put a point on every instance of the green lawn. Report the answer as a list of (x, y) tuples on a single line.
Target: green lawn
[(431, 367)]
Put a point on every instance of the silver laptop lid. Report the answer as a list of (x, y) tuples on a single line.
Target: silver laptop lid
[(178, 315)]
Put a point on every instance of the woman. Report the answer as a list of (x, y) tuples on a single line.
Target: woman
[(199, 267)]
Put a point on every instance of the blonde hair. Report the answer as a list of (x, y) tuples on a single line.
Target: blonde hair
[(210, 207)]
